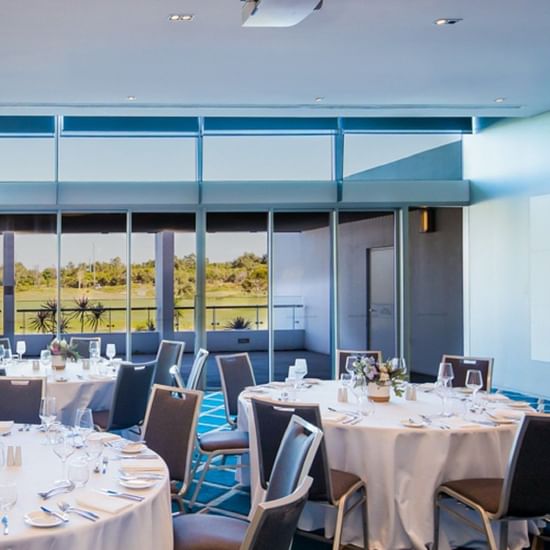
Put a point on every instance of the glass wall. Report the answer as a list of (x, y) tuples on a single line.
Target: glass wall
[(367, 282), (301, 292), (237, 287), (185, 267), (93, 273)]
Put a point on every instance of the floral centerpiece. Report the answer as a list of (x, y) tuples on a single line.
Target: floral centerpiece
[(61, 350), (379, 377)]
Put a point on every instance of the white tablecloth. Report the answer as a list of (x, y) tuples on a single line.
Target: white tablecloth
[(73, 387), (402, 467), (143, 526)]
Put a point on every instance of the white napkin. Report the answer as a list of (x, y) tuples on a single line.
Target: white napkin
[(104, 437), (142, 465), (516, 414), (103, 503), (6, 426), (494, 397), (331, 416), (101, 377)]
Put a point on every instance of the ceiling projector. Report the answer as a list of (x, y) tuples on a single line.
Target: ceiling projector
[(277, 13)]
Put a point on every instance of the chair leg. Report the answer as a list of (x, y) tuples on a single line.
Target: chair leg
[(503, 541), (488, 531), (365, 515), (337, 541), (437, 513), (201, 480)]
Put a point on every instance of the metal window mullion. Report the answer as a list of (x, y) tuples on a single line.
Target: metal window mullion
[(58, 289), (270, 333), (129, 285), (333, 289), (403, 285)]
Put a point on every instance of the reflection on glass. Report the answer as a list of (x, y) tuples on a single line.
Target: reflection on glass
[(301, 292)]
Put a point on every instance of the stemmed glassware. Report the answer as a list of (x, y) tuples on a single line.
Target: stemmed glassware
[(300, 369), (46, 359), (8, 498), (474, 381), (84, 423), (445, 376), (63, 448), (94, 351), (21, 348), (47, 411), (110, 351)]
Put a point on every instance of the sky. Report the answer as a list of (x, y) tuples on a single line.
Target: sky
[(39, 250)]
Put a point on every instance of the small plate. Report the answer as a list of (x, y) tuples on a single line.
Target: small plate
[(138, 483), (408, 424), (518, 405), (41, 519), (132, 448)]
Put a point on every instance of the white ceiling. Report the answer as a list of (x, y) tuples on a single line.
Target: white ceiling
[(365, 57)]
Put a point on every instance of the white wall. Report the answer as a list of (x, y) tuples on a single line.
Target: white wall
[(507, 164)]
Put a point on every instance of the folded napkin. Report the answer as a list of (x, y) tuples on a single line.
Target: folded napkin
[(331, 416), (103, 503), (143, 465), (515, 414), (6, 426), (104, 437), (101, 377), (494, 397)]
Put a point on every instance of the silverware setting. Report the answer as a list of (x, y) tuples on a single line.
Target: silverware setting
[(145, 476), (68, 509), (67, 488), (430, 422), (62, 517), (5, 524), (118, 494)]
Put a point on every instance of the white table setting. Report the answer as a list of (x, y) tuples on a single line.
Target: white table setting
[(57, 492), (403, 449)]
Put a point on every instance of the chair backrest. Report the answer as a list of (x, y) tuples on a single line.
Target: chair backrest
[(295, 456), (196, 369), (170, 353), (270, 422), (170, 427), (274, 523), (235, 374), (82, 344), (6, 343), (526, 489), (462, 364), (343, 354), (130, 396), (20, 399)]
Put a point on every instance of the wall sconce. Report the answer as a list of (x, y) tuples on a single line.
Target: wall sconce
[(427, 220)]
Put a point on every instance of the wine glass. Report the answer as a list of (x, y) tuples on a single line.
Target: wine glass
[(94, 449), (63, 448), (8, 498), (94, 350), (46, 358), (47, 411), (446, 373), (300, 369), (110, 351), (21, 348), (84, 423), (349, 364), (442, 390), (474, 381)]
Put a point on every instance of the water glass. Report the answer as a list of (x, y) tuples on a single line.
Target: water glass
[(47, 412), (110, 351), (94, 350), (300, 369), (446, 373), (46, 358), (21, 348), (364, 404), (78, 471)]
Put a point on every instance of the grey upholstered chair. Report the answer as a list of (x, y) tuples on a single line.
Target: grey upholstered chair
[(82, 344), (523, 493), (130, 398), (169, 428), (335, 487), (236, 374), (462, 364), (194, 375), (169, 354), (343, 354), (20, 399), (274, 522)]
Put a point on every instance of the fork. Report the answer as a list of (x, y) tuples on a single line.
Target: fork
[(67, 508)]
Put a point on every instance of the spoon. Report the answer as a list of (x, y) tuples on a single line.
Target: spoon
[(67, 488)]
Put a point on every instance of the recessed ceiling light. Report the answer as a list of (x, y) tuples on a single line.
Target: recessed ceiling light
[(500, 100), (131, 98), (181, 17), (447, 21), (319, 99)]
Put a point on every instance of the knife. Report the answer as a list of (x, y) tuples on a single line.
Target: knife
[(63, 518), (118, 494)]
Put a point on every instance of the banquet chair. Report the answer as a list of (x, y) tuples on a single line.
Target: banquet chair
[(82, 344), (130, 397), (195, 373), (169, 354), (169, 428), (236, 374), (20, 399), (333, 487), (462, 364), (274, 522), (522, 494), (343, 354), (6, 343)]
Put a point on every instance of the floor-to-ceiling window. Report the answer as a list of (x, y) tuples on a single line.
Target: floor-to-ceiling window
[(237, 287), (301, 291), (93, 275)]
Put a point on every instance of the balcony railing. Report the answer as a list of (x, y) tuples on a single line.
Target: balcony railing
[(219, 317)]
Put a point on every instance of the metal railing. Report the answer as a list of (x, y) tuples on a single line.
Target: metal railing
[(219, 317)]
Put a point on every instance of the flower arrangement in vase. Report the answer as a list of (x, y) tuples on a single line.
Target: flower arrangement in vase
[(379, 377), (61, 350)]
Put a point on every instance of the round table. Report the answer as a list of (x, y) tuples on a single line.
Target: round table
[(73, 387), (143, 525), (402, 465)]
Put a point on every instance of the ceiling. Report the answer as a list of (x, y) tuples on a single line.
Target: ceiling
[(363, 57)]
